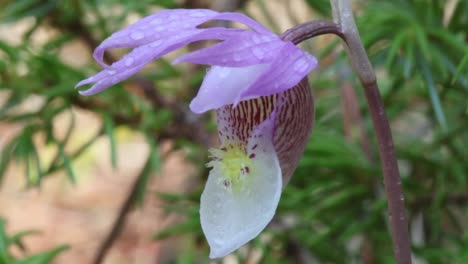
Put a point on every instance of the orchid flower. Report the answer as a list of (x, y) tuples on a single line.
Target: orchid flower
[(258, 86)]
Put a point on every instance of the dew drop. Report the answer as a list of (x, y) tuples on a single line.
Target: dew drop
[(223, 72), (155, 21), (111, 72), (258, 52), (256, 39), (266, 38), (137, 35), (197, 14), (155, 43), (129, 61), (300, 65)]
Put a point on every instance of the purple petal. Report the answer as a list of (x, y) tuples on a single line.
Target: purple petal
[(283, 73), (165, 31), (230, 85), (140, 56), (167, 23), (244, 49), (222, 85), (155, 27), (241, 18)]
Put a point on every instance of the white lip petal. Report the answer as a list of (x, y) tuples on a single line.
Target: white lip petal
[(231, 217), (223, 85)]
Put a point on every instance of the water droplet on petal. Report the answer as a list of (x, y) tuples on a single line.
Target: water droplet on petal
[(256, 39), (111, 72), (197, 14), (155, 43), (137, 35), (266, 38), (300, 65), (258, 52), (223, 72), (155, 21), (129, 61)]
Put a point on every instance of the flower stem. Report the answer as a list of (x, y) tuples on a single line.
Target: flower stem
[(343, 16), (346, 29)]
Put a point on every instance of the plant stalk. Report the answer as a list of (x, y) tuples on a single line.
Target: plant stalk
[(345, 27), (343, 16)]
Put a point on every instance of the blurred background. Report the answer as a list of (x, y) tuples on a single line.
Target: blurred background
[(116, 178)]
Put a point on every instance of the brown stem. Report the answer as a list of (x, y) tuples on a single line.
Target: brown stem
[(346, 29), (392, 180), (343, 16), (311, 29)]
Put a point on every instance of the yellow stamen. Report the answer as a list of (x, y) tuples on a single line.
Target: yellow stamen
[(233, 162)]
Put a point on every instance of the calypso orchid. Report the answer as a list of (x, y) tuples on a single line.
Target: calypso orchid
[(258, 86)]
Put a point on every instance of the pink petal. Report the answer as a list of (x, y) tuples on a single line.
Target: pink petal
[(158, 26), (230, 85), (165, 24), (243, 19), (246, 48), (165, 31), (283, 73), (222, 86), (140, 56)]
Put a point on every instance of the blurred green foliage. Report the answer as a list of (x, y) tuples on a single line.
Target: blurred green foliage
[(334, 208), (7, 241)]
